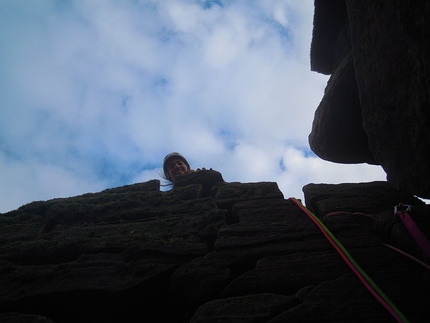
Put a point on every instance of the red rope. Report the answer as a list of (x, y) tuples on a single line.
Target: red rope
[(361, 274)]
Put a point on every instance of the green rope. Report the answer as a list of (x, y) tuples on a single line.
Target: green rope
[(362, 275)]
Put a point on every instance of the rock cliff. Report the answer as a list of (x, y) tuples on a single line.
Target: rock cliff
[(376, 107), (209, 251)]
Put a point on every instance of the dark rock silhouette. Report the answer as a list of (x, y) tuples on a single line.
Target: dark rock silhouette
[(243, 253), (376, 108)]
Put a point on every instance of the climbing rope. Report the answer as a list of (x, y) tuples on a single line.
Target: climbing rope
[(402, 211), (361, 274), (422, 263)]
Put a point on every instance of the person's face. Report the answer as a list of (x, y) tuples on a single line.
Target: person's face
[(176, 167)]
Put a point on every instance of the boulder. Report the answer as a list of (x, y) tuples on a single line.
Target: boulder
[(337, 130), (378, 94)]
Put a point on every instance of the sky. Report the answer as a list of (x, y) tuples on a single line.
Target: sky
[(94, 94)]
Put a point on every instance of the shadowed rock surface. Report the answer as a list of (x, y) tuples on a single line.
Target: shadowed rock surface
[(376, 106), (243, 253)]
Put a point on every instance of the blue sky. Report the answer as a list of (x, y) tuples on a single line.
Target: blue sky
[(94, 94)]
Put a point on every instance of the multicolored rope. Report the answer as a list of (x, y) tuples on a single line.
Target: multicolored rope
[(361, 274)]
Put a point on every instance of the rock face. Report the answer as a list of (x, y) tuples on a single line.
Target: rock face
[(376, 107), (240, 253)]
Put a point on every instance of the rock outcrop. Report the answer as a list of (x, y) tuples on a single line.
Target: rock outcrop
[(376, 107), (240, 253)]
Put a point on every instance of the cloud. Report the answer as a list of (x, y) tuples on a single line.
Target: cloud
[(29, 180), (95, 94), (301, 170)]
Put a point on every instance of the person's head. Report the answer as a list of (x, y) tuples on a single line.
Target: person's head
[(175, 164)]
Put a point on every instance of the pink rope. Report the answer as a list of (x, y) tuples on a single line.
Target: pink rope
[(416, 232)]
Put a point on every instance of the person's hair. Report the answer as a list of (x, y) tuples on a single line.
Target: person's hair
[(167, 182)]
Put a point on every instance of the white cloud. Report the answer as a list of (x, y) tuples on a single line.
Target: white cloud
[(95, 94), (30, 180), (301, 170)]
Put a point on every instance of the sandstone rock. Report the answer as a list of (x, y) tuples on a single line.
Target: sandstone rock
[(231, 193), (371, 198), (381, 94), (330, 18), (333, 301), (246, 309), (337, 130), (22, 318), (206, 178), (391, 46), (286, 274), (173, 257), (273, 210)]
